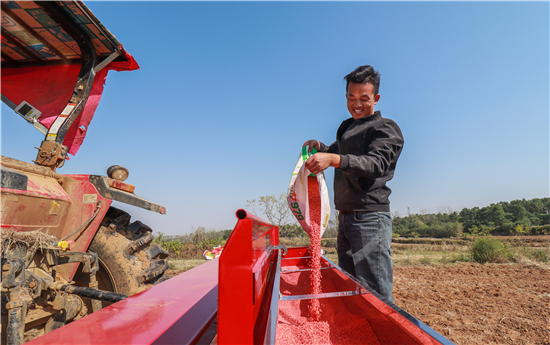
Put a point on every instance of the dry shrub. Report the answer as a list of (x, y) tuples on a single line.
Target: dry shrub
[(33, 240), (488, 249), (453, 247)]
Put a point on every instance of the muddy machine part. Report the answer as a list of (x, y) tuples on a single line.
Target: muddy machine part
[(239, 299), (33, 294), (66, 253)]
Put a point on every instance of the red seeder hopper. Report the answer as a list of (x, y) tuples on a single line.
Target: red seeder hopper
[(257, 292)]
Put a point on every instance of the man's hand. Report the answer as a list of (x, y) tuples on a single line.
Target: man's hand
[(321, 161), (312, 144)]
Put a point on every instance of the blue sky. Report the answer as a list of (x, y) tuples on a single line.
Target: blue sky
[(228, 92)]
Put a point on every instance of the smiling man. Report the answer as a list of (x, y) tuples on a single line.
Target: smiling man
[(364, 154)]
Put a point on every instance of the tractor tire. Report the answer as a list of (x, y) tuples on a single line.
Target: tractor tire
[(128, 262)]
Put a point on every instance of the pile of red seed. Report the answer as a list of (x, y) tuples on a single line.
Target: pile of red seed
[(336, 325)]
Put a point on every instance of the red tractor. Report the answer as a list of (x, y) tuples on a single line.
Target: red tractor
[(65, 251)]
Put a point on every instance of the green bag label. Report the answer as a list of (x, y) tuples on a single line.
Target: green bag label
[(306, 155)]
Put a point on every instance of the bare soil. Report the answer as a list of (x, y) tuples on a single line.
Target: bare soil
[(470, 303)]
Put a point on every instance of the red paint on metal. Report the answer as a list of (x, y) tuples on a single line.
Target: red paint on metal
[(244, 266), (44, 196), (82, 178), (176, 311), (52, 192), (81, 210), (58, 210), (120, 185), (300, 257)]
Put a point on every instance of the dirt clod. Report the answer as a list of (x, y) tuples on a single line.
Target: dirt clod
[(142, 256)]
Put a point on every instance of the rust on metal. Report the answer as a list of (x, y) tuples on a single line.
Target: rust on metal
[(118, 172), (120, 185), (51, 154)]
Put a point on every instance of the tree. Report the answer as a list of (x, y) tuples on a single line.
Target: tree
[(291, 231), (519, 212), (469, 218), (332, 227), (495, 215), (274, 208)]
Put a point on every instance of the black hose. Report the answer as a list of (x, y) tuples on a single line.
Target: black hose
[(87, 292), (85, 224)]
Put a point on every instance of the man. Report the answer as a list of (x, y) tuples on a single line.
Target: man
[(364, 154)]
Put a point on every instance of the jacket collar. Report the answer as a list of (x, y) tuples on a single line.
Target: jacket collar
[(376, 115)]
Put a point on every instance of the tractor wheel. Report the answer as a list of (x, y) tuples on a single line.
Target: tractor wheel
[(128, 262)]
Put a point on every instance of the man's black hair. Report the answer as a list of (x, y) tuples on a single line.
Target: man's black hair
[(363, 75)]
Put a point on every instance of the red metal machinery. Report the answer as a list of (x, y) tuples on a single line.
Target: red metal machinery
[(55, 59), (235, 300)]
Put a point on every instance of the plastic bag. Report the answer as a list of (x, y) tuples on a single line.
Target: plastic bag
[(297, 198), (213, 254)]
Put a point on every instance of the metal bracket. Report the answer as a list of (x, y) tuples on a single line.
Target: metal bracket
[(304, 270), (107, 61), (88, 260), (51, 154), (283, 247), (30, 119), (13, 273), (81, 92), (90, 267), (324, 295), (105, 191)]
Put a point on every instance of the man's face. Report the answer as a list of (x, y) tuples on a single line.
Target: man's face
[(361, 100)]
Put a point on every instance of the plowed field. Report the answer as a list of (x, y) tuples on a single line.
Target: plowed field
[(471, 303)]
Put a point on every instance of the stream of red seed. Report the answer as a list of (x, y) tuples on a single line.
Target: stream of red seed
[(314, 197), (317, 321)]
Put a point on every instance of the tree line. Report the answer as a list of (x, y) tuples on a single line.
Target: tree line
[(517, 217)]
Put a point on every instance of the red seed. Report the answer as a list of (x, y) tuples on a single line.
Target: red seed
[(336, 324), (317, 321), (314, 198)]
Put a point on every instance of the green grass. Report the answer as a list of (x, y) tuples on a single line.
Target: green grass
[(539, 254), (331, 254), (185, 264), (427, 252)]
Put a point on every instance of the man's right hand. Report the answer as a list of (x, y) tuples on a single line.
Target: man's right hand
[(321, 161), (313, 144)]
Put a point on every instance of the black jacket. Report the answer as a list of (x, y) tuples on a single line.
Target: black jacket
[(369, 148)]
